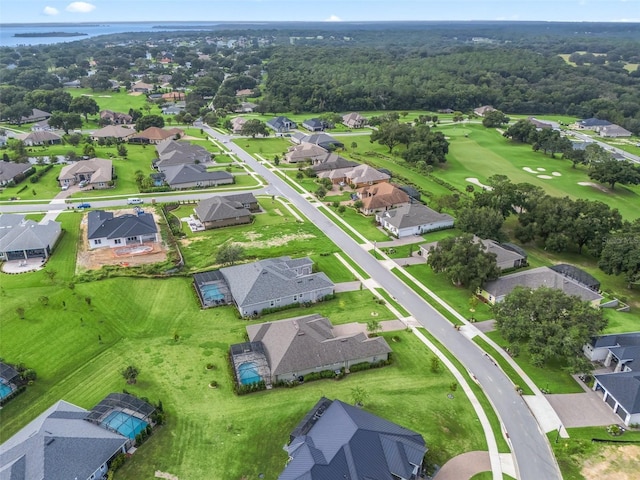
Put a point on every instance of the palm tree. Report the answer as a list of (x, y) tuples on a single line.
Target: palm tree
[(130, 374)]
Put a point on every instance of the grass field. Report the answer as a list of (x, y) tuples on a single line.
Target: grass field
[(110, 100), (79, 349)]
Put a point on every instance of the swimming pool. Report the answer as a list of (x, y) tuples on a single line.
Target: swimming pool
[(248, 373), (211, 293), (5, 390), (124, 424)]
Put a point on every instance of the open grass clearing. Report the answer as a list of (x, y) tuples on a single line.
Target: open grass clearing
[(110, 100), (387, 298), (265, 147), (217, 428), (364, 275), (552, 377)]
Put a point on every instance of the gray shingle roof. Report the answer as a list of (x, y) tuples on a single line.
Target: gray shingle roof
[(348, 442), (220, 208), (171, 153), (258, 282), (540, 277), (179, 174), (624, 387), (594, 122), (19, 234), (8, 170), (58, 445), (101, 224), (303, 343), (414, 215), (617, 339)]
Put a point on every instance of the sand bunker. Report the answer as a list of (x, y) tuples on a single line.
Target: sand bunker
[(477, 182), (545, 177), (529, 169), (556, 174), (540, 169), (594, 185)]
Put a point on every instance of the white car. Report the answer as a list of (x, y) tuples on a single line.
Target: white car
[(65, 188)]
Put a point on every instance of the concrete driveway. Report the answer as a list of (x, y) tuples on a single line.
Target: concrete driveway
[(582, 409)]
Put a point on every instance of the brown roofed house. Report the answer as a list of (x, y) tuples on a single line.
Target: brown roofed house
[(155, 135), (381, 196)]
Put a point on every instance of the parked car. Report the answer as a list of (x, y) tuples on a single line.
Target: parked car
[(65, 187), (82, 206)]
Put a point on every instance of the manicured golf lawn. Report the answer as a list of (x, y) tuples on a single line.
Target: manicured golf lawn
[(108, 100)]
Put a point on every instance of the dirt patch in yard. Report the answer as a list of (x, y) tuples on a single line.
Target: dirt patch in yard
[(613, 463), (124, 256), (275, 242)]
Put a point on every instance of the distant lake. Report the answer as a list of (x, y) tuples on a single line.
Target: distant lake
[(7, 31)]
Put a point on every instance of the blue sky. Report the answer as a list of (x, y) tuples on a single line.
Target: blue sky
[(45, 11)]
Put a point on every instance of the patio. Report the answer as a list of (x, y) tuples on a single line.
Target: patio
[(23, 266)]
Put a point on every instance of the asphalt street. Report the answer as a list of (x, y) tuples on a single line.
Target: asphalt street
[(534, 458)]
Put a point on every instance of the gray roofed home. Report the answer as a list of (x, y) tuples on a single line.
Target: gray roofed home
[(495, 290), (40, 137), (275, 282), (60, 444), (332, 161), (21, 239), (193, 176), (614, 131), (482, 111), (620, 350), (106, 230), (323, 140), (315, 125), (621, 391), (222, 211), (281, 124), (10, 170), (506, 255), (172, 153), (36, 115), (298, 346), (339, 441), (413, 219)]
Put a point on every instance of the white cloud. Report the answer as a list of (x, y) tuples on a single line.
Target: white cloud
[(50, 11), (333, 18), (80, 7)]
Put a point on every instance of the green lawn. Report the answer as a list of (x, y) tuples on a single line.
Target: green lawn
[(333, 267), (504, 365), (477, 152), (456, 297), (552, 377), (273, 233), (109, 100), (363, 224), (265, 147)]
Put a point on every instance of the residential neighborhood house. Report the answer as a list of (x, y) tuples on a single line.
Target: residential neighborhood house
[(275, 282), (225, 210), (315, 125), (354, 120), (620, 351), (507, 255), (36, 115), (104, 229), (172, 153), (281, 124), (336, 440), (117, 132), (180, 177), (621, 391), (237, 123), (614, 131), (482, 111), (96, 173), (358, 176), (592, 124), (494, 291), (40, 137), (11, 172), (323, 140), (382, 196), (413, 219), (60, 444), (156, 135), (22, 239), (296, 347), (305, 152), (115, 118)]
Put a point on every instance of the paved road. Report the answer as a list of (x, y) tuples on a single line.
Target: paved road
[(606, 146), (534, 458)]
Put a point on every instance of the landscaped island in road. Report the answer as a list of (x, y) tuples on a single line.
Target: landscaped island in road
[(49, 34)]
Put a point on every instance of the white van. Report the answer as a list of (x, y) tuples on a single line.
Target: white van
[(134, 201)]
